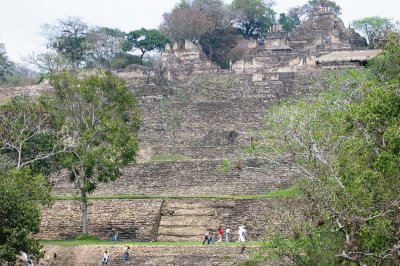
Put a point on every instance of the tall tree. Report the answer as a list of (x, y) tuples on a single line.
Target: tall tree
[(68, 38), (253, 17), (288, 22), (103, 44), (145, 41), (370, 26), (101, 119), (189, 20), (6, 66)]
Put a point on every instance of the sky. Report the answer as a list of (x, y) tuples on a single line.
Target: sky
[(21, 20)]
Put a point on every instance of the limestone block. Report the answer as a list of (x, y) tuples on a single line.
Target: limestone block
[(252, 44), (190, 45), (257, 76)]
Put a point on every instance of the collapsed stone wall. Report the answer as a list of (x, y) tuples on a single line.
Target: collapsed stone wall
[(325, 31), (188, 58)]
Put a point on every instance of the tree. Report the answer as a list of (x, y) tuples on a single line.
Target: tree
[(370, 26), (68, 38), (288, 22), (21, 192), (253, 17), (6, 66), (49, 62), (301, 13), (103, 44), (189, 20), (331, 5), (145, 41), (100, 118), (29, 134), (345, 141)]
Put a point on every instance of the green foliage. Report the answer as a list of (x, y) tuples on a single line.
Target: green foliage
[(288, 22), (68, 38), (101, 119), (146, 41), (346, 143), (103, 44), (29, 133), (86, 237), (122, 60), (386, 66), (370, 26), (254, 17), (6, 66), (20, 195)]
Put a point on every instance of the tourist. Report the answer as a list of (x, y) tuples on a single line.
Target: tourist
[(105, 258), (212, 236), (207, 236), (114, 236), (242, 234), (125, 254), (228, 234), (220, 234)]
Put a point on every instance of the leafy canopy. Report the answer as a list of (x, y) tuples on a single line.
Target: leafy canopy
[(20, 193), (146, 40), (370, 26)]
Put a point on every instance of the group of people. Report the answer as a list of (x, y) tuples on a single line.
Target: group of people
[(125, 256), (210, 235)]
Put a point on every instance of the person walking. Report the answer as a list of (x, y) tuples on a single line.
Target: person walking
[(228, 234), (105, 258), (114, 236), (207, 236), (125, 254)]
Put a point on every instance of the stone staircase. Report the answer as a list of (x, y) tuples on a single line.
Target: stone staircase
[(186, 221)]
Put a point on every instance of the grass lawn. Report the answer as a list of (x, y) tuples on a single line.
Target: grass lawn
[(292, 192)]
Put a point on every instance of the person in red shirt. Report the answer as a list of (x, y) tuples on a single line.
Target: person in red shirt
[(220, 234)]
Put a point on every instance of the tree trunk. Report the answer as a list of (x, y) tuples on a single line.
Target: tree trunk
[(84, 208), (141, 58)]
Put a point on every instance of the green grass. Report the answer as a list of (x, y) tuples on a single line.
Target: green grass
[(169, 157), (69, 243), (292, 192), (85, 237)]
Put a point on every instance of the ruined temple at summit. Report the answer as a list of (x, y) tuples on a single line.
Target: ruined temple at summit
[(207, 115)]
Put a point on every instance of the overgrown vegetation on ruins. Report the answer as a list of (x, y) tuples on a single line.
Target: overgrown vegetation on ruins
[(345, 141)]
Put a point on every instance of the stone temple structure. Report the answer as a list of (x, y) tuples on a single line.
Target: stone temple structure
[(207, 116)]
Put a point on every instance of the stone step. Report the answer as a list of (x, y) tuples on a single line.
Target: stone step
[(194, 221)]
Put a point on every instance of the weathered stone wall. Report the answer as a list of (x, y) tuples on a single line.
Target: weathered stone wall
[(134, 219), (168, 219), (180, 60), (188, 219), (191, 178)]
